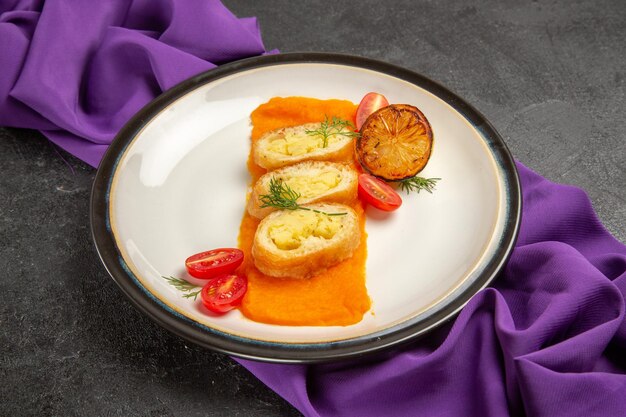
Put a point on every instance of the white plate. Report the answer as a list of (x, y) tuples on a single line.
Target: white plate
[(174, 183)]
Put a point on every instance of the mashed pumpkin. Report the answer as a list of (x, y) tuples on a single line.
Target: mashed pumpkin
[(336, 297)]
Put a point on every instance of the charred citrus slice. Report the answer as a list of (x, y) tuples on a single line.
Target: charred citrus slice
[(395, 142)]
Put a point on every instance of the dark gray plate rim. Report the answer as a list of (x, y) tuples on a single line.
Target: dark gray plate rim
[(295, 352)]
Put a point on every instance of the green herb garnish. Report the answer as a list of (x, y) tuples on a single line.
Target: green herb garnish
[(282, 196), (418, 184), (335, 126), (184, 286)]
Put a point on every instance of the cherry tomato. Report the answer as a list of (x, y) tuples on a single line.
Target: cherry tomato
[(378, 193), (369, 104), (224, 293), (209, 264)]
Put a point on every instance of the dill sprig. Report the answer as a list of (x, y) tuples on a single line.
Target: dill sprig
[(184, 286), (282, 196), (418, 184), (334, 126)]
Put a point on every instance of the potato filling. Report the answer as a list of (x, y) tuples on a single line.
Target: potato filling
[(293, 228), (296, 144), (311, 186)]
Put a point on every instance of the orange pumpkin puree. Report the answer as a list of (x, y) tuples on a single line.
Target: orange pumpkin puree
[(335, 297)]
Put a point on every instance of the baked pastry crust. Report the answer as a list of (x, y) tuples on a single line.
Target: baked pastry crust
[(314, 253), (305, 174), (266, 155)]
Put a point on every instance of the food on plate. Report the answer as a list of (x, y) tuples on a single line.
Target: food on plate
[(190, 290), (336, 296), (224, 293), (368, 105), (329, 140), (418, 184), (209, 264), (395, 142), (313, 180), (333, 296), (378, 193), (302, 238), (302, 243), (219, 294)]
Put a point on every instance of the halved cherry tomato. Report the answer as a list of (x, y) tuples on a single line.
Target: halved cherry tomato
[(224, 293), (369, 104), (378, 193), (209, 264)]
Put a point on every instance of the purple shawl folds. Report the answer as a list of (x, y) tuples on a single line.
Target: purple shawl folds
[(549, 339), (77, 71)]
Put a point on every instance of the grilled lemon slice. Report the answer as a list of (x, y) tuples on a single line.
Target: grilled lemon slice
[(395, 142)]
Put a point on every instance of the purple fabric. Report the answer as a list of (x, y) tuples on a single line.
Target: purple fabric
[(548, 339), (78, 70)]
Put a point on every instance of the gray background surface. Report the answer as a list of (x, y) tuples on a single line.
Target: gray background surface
[(549, 75)]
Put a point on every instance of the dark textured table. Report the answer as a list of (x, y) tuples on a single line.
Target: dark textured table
[(549, 75)]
